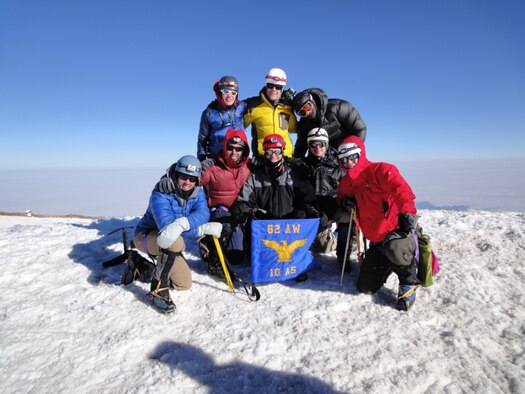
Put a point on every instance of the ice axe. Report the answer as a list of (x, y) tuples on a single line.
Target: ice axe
[(124, 256)]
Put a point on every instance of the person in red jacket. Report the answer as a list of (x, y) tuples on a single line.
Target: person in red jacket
[(387, 216), (222, 180)]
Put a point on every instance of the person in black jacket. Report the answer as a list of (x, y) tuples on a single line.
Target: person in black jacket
[(324, 174), (278, 189), (338, 117)]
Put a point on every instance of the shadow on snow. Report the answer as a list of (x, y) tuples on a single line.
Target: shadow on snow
[(235, 376)]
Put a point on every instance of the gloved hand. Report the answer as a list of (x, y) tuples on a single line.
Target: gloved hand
[(171, 232), (257, 161), (164, 185), (348, 204), (287, 96), (212, 228), (407, 222)]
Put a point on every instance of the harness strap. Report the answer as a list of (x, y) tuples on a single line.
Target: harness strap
[(144, 243)]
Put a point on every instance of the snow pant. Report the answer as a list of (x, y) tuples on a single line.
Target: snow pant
[(342, 236), (232, 235), (376, 269), (179, 274)]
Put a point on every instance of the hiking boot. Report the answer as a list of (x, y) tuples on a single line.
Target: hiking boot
[(216, 270), (406, 297), (137, 268), (131, 273), (162, 300)]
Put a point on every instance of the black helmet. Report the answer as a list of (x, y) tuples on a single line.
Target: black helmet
[(228, 82), (300, 99)]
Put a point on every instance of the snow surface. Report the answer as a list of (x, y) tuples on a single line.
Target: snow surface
[(66, 324)]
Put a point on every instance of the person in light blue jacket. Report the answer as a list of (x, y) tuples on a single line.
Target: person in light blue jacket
[(170, 216)]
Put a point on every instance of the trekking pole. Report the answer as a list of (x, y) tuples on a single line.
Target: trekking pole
[(223, 264), (347, 245)]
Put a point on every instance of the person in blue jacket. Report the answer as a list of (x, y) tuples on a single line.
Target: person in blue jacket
[(223, 113), (168, 217)]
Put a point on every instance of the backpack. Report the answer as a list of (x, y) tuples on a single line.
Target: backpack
[(428, 265)]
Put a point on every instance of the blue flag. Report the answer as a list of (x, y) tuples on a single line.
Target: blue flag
[(280, 248)]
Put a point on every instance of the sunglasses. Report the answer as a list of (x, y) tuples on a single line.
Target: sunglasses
[(348, 158), (229, 91), (274, 86), (316, 144), (270, 152), (190, 178), (234, 148)]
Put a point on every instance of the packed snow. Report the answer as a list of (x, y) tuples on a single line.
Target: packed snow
[(68, 325)]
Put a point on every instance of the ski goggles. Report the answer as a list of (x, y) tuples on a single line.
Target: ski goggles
[(274, 86), (232, 148), (224, 92), (306, 108), (190, 178), (317, 144), (270, 152), (349, 158)]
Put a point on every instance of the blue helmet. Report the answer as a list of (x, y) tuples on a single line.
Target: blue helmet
[(189, 165)]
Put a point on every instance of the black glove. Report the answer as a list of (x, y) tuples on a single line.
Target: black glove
[(287, 96), (258, 161), (407, 222), (348, 204), (164, 185)]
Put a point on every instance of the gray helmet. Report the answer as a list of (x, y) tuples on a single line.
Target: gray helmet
[(189, 165), (228, 82)]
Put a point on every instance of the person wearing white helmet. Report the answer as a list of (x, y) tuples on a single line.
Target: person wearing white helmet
[(169, 215), (324, 174), (271, 112), (387, 216)]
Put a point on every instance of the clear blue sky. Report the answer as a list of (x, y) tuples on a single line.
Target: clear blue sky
[(104, 83)]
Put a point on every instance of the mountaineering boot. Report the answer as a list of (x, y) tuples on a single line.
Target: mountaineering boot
[(406, 297), (130, 272), (162, 300), (160, 292), (137, 268)]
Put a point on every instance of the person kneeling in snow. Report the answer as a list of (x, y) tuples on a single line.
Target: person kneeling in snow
[(169, 215), (387, 215)]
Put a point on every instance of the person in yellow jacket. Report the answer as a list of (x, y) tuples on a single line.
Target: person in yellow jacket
[(271, 112)]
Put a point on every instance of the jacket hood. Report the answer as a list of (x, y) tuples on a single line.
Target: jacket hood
[(220, 99), (231, 133), (363, 162)]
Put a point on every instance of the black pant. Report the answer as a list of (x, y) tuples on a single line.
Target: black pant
[(376, 269)]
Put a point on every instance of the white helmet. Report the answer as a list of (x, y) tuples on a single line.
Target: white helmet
[(318, 134), (350, 150), (276, 76)]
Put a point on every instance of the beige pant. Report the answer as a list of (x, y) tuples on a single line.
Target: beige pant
[(180, 273)]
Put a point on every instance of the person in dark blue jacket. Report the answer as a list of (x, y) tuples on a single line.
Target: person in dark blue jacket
[(223, 113), (168, 217)]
